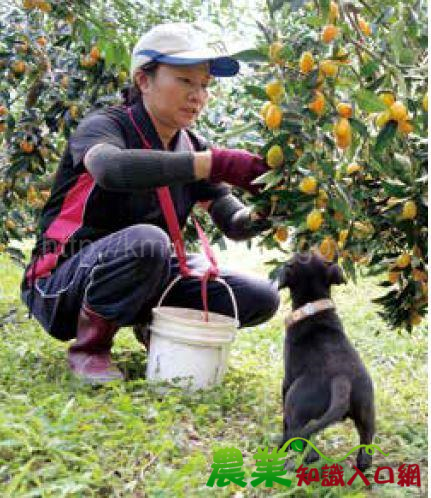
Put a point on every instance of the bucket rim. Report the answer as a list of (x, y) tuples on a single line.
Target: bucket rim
[(227, 320)]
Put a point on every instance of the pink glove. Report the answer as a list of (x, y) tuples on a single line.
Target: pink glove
[(237, 167)]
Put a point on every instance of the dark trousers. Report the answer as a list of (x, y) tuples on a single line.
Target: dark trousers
[(123, 275)]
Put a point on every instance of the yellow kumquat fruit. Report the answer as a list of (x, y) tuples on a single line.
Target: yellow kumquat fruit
[(275, 156), (274, 52), (398, 111), (344, 110), (329, 33), (403, 260), (273, 117), (405, 127), (329, 68), (410, 211), (388, 98), (306, 62), (364, 26), (318, 104), (328, 248), (314, 220), (275, 90), (353, 168), (308, 185)]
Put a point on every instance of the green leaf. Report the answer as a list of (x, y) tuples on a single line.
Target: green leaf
[(16, 254), (400, 79), (369, 102), (287, 52), (280, 139), (387, 297), (324, 5), (385, 137), (313, 21), (110, 53), (257, 92), (359, 127), (377, 83), (402, 161), (369, 68), (251, 55), (271, 178), (237, 131), (298, 446), (304, 161), (394, 190), (342, 193), (407, 56), (349, 268), (84, 31), (328, 168), (396, 38)]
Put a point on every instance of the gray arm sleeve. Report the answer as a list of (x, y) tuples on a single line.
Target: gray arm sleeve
[(233, 219), (126, 170), (115, 167)]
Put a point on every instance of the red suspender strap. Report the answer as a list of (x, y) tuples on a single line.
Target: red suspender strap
[(165, 200), (206, 246), (169, 213), (145, 143)]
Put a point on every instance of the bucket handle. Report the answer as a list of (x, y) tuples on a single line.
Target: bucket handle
[(218, 279)]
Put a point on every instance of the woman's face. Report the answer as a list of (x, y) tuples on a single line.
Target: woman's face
[(176, 95)]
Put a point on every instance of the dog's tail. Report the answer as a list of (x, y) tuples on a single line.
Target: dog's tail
[(340, 402)]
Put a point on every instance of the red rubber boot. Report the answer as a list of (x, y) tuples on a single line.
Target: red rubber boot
[(90, 355)]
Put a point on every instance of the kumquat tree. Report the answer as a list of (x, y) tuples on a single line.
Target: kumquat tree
[(51, 71), (339, 107), (343, 125), (97, 363)]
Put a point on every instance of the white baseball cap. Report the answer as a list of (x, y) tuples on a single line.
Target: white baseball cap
[(181, 43)]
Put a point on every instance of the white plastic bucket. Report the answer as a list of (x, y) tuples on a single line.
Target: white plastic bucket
[(186, 349)]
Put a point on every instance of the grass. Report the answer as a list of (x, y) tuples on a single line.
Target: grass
[(59, 438)]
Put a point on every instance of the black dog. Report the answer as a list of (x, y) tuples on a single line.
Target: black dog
[(325, 380)]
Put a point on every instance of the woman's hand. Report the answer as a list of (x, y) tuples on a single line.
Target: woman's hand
[(234, 166), (237, 167)]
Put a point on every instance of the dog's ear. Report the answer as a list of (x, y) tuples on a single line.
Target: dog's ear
[(335, 275), (284, 276)]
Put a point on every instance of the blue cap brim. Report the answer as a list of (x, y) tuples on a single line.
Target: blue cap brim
[(221, 66)]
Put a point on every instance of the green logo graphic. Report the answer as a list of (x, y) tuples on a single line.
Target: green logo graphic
[(298, 446), (270, 468), (227, 468)]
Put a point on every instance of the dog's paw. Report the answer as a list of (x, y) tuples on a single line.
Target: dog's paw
[(363, 461), (363, 465)]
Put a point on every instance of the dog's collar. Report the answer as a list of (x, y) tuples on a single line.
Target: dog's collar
[(309, 309)]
